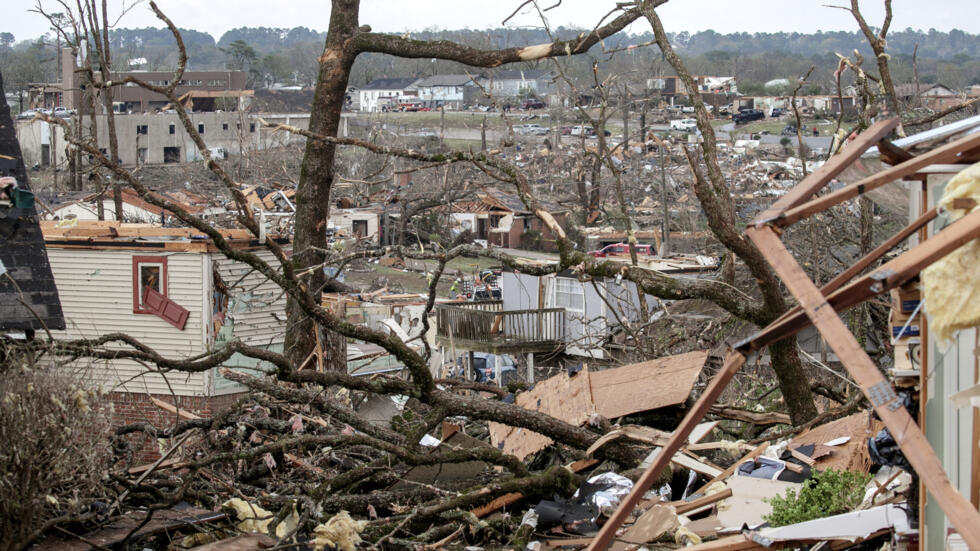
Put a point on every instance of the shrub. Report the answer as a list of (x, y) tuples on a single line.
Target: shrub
[(828, 493), (54, 448)]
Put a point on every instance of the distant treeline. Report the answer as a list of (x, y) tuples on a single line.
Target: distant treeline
[(288, 56)]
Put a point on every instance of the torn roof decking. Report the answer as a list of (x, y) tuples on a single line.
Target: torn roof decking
[(28, 295), (114, 235)]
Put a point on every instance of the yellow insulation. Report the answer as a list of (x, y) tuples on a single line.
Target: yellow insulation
[(340, 532), (951, 286)]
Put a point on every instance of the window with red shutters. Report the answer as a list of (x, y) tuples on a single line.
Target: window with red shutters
[(149, 272)]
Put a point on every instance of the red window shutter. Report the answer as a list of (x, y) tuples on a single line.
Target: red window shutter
[(153, 300), (166, 309)]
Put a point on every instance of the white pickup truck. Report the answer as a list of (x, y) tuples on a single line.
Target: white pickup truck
[(684, 125)]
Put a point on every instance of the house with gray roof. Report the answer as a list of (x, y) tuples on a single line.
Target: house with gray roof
[(527, 82), (382, 94), (450, 91)]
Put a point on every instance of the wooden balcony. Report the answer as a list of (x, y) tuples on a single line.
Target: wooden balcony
[(487, 327)]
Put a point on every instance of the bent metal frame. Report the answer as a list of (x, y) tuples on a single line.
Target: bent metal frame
[(821, 307)]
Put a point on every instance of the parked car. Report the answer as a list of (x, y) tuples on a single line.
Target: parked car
[(748, 115), (29, 114), (532, 104), (684, 125), (530, 129), (789, 130), (565, 130), (63, 112), (580, 130), (427, 133), (687, 109), (777, 112), (621, 249), (484, 367)]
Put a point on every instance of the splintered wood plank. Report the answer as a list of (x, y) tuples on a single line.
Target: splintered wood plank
[(879, 391), (945, 154), (890, 275), (733, 361), (819, 178), (647, 385), (849, 456)]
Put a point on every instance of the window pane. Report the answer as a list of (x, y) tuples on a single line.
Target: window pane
[(150, 277)]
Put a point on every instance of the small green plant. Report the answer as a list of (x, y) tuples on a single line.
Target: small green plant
[(828, 493)]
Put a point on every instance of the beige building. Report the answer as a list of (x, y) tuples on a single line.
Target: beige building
[(161, 138)]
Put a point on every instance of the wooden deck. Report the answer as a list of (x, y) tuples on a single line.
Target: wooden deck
[(487, 327)]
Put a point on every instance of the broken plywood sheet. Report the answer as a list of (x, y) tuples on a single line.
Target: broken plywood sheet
[(655, 522), (564, 397), (611, 393), (647, 385), (746, 506), (852, 455)]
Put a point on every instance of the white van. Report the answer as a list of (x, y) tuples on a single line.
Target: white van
[(684, 125)]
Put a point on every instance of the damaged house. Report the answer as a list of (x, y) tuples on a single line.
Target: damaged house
[(502, 220), (171, 290)]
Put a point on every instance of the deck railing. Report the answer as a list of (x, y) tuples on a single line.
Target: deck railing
[(488, 323)]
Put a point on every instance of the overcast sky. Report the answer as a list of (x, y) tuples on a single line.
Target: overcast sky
[(724, 16)]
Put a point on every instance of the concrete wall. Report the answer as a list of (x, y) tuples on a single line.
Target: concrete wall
[(235, 132)]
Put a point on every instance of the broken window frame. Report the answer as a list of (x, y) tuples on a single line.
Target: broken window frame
[(138, 263)]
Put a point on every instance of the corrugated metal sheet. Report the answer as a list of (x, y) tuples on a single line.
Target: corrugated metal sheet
[(96, 288)]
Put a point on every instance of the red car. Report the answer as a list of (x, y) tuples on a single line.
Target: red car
[(621, 249)]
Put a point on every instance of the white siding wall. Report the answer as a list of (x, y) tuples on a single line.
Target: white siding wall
[(96, 289)]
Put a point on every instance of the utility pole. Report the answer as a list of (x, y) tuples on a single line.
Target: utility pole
[(664, 227), (483, 134)]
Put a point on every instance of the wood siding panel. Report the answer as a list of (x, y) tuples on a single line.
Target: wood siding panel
[(257, 306), (96, 288)]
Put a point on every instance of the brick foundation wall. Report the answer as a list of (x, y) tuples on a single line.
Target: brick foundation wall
[(130, 407)]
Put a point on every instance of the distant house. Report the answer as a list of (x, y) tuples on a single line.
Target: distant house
[(502, 220), (533, 82), (450, 91), (363, 223), (135, 209), (936, 96), (383, 93), (670, 87)]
